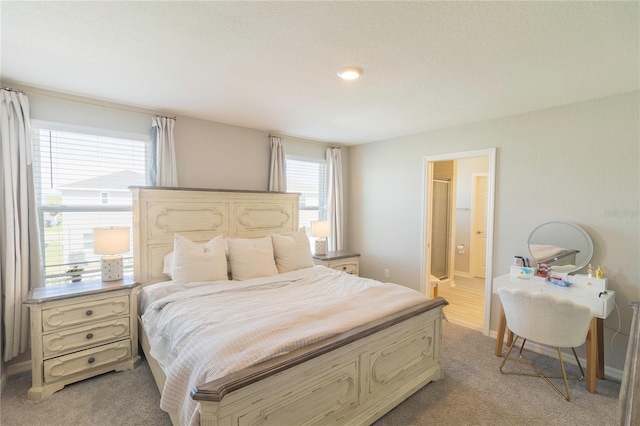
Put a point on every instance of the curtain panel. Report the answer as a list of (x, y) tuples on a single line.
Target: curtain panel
[(20, 255), (277, 170), (163, 168), (334, 198)]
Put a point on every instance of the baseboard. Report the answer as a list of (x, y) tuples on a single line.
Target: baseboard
[(609, 372), (465, 324), (18, 368), (462, 274), (446, 284)]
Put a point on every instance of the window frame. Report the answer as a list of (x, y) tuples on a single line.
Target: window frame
[(91, 268), (322, 190)]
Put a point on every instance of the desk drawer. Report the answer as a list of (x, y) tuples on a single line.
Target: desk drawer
[(82, 313), (597, 305), (73, 339), (78, 362)]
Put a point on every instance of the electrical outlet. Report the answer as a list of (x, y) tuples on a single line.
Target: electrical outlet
[(386, 273)]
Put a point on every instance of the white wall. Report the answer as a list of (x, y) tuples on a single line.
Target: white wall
[(220, 156), (209, 154), (578, 163)]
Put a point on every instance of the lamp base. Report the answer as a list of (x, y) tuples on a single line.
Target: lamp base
[(321, 247), (111, 268)]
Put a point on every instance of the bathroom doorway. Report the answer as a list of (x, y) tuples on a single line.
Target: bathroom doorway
[(458, 220), (441, 230)]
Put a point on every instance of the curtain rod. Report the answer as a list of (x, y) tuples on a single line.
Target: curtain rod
[(83, 102), (12, 90), (307, 141), (165, 116)]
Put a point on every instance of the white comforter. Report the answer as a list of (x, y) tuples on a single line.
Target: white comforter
[(205, 331)]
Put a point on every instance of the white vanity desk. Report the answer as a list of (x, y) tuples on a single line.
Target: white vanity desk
[(601, 305)]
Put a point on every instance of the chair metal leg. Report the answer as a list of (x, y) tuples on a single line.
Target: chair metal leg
[(579, 365), (539, 373), (564, 376), (506, 357)]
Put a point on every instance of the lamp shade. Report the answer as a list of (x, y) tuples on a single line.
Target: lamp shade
[(111, 240), (320, 229)]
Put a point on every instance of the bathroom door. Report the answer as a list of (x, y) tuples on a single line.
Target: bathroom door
[(440, 229), (479, 225)]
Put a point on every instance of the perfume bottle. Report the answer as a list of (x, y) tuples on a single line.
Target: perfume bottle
[(599, 273), (590, 272)]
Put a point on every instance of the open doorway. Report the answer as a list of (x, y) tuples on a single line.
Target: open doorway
[(458, 223)]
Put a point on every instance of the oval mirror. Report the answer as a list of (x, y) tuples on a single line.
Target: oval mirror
[(564, 246)]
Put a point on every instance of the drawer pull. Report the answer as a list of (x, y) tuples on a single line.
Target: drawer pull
[(91, 360), (344, 268), (89, 313), (89, 336)]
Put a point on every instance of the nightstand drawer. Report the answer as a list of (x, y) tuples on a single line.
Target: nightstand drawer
[(350, 267), (81, 313), (73, 339), (78, 362), (341, 260)]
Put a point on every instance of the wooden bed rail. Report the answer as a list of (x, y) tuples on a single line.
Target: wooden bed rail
[(215, 390)]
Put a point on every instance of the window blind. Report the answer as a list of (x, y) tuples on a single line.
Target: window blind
[(309, 178), (82, 182)]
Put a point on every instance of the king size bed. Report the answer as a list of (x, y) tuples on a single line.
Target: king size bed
[(265, 336)]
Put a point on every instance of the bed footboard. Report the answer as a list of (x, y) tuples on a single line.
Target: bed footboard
[(355, 377)]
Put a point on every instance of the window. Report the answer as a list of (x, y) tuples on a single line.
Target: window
[(82, 179), (308, 177)]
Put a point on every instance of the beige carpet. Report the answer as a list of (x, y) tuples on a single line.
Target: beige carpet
[(473, 393)]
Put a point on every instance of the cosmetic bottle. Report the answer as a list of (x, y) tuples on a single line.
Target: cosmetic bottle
[(590, 272)]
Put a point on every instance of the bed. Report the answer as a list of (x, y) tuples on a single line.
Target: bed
[(351, 374)]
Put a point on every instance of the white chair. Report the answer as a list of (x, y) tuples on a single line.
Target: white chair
[(546, 320)]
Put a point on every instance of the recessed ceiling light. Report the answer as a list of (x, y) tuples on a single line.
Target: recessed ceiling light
[(350, 73)]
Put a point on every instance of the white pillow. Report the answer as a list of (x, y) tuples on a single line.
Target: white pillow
[(168, 263), (251, 258), (292, 253), (198, 262)]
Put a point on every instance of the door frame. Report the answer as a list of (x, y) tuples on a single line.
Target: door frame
[(427, 190)]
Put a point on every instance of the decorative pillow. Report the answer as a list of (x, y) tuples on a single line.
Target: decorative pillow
[(251, 258), (197, 262), (292, 253), (168, 263)]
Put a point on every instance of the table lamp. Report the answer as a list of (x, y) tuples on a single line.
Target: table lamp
[(111, 242), (320, 230)]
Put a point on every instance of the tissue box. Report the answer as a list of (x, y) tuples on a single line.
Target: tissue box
[(522, 271)]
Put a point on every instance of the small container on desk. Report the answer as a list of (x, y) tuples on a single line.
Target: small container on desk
[(522, 271)]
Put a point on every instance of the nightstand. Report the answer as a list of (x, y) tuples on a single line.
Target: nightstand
[(342, 260), (81, 330)]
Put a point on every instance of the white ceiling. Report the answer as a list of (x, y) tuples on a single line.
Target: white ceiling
[(272, 65)]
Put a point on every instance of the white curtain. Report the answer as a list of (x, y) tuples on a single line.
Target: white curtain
[(334, 198), (277, 172), (163, 169), (20, 256)]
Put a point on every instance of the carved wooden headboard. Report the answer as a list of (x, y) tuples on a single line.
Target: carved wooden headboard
[(201, 214)]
